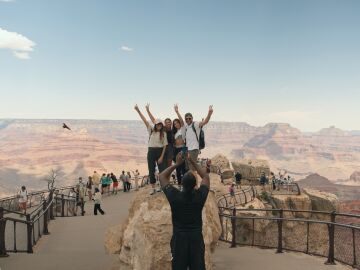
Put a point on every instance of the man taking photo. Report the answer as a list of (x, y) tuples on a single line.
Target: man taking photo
[(187, 243)]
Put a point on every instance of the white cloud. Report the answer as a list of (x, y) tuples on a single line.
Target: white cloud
[(20, 45), (126, 49)]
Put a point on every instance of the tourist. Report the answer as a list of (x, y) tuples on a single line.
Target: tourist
[(238, 178), (96, 180), (108, 183), (187, 243), (156, 148), (128, 181), (232, 193), (103, 182), (136, 179), (273, 180), (23, 197), (192, 132), (89, 186), (97, 200), (179, 145), (263, 179), (123, 180), (169, 152), (80, 196), (72, 201), (115, 183)]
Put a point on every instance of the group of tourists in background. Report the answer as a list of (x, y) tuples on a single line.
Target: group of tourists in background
[(169, 138)]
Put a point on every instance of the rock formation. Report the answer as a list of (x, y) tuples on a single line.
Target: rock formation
[(251, 169), (143, 242), (219, 162)]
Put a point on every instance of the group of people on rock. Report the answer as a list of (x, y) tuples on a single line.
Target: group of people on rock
[(169, 138)]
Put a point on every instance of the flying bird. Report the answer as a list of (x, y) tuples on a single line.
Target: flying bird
[(65, 126)]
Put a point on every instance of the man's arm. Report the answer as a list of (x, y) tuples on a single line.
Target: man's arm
[(207, 119), (176, 107), (164, 177), (149, 113), (202, 172)]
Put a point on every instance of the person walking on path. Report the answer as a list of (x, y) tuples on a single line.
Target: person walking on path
[(115, 183), (192, 132), (187, 243), (123, 180), (97, 200), (238, 178), (128, 181), (73, 201), (156, 147), (103, 181), (136, 179), (89, 187), (169, 152), (23, 197), (80, 196)]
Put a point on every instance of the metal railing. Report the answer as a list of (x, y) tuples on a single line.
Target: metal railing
[(242, 196), (311, 232)]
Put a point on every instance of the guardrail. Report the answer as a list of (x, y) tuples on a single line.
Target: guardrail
[(242, 196), (19, 232), (312, 232)]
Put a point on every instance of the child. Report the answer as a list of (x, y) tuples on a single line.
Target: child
[(232, 192), (97, 199)]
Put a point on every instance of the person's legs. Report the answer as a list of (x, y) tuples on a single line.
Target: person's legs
[(194, 157), (100, 209), (197, 251), (95, 209), (180, 251), (151, 159)]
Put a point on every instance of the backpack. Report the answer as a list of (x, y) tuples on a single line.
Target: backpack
[(200, 138)]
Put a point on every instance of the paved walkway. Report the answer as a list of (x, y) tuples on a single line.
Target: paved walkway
[(78, 243)]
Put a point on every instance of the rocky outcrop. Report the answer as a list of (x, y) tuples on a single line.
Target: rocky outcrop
[(355, 176), (322, 201), (251, 169), (219, 162), (293, 202), (143, 242)]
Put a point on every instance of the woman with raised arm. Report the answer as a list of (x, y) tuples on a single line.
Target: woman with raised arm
[(179, 135), (156, 147)]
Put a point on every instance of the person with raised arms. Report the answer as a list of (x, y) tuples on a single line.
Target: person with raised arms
[(156, 147), (187, 243)]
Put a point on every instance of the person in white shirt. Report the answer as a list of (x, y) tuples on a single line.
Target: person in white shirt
[(97, 200), (192, 141), (23, 196), (136, 178)]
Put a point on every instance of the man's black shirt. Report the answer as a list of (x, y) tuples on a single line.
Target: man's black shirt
[(186, 209)]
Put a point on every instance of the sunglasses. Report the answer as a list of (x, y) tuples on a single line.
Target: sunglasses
[(188, 118)]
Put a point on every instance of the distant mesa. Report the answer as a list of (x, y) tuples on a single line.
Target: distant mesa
[(355, 176)]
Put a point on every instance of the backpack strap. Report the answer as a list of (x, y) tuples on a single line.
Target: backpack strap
[(193, 128)]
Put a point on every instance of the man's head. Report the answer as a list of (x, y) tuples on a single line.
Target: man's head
[(94, 171), (189, 181), (168, 124), (23, 188), (80, 179), (188, 118)]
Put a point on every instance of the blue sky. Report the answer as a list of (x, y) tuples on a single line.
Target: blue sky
[(255, 61)]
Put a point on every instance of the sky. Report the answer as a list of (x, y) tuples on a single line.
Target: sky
[(254, 61)]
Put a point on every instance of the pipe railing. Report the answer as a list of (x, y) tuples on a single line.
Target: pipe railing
[(276, 229)]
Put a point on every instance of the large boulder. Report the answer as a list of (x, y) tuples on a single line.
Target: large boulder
[(293, 202), (322, 201), (251, 169), (219, 162), (143, 242), (227, 174)]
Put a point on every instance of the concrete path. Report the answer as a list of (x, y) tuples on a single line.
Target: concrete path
[(78, 243)]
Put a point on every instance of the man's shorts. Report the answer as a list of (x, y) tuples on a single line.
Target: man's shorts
[(194, 157)]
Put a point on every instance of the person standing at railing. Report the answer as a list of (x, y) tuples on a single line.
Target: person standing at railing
[(115, 183), (23, 197), (128, 181), (72, 201), (238, 178), (81, 191), (123, 180), (89, 186), (103, 181), (136, 179), (97, 200), (232, 193)]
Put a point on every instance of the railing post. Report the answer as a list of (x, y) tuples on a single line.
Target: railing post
[(331, 229), (2, 234), (45, 215), (62, 205), (29, 234), (233, 225), (52, 205), (221, 222), (354, 248), (280, 231)]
